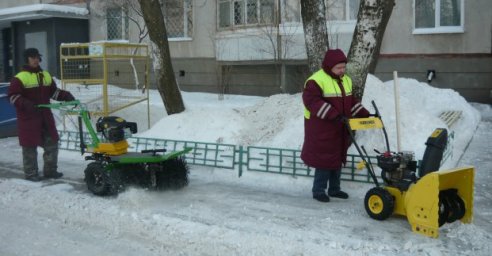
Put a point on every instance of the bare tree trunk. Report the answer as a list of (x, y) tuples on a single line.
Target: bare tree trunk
[(315, 33), (366, 43), (166, 82)]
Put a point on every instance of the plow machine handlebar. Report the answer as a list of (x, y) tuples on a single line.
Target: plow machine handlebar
[(75, 107)]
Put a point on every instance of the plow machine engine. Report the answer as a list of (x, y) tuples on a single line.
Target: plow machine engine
[(398, 169), (427, 196), (113, 128)]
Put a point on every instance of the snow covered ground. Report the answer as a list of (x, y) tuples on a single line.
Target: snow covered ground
[(257, 214)]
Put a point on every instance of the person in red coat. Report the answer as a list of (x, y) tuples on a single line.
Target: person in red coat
[(36, 126), (328, 102)]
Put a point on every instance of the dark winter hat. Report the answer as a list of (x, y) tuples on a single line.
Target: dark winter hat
[(31, 52), (333, 57)]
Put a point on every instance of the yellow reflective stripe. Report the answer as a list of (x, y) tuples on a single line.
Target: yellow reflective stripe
[(332, 95)]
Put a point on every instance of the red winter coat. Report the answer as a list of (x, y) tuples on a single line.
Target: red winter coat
[(326, 138), (32, 122)]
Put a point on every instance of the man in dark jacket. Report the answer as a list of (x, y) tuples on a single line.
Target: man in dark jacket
[(36, 126), (328, 101)]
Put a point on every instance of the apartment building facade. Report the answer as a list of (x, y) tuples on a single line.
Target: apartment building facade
[(256, 47)]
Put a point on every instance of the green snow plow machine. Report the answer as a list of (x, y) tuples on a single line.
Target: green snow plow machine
[(112, 167)]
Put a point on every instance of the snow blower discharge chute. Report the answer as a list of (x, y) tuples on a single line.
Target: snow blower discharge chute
[(112, 167), (429, 198)]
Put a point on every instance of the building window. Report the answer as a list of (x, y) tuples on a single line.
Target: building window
[(117, 24), (342, 10), (224, 14), (438, 16), (291, 11), (178, 15), (240, 13), (336, 10)]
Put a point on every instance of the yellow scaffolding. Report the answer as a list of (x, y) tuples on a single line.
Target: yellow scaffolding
[(107, 76)]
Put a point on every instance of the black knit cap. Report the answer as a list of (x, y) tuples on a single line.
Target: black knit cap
[(31, 52)]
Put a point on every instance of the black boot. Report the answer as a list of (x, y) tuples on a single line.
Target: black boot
[(339, 194), (34, 178), (54, 175), (322, 198)]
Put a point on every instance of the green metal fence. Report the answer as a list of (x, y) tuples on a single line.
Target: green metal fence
[(228, 156)]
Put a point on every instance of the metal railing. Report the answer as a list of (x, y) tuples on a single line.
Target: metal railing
[(233, 157)]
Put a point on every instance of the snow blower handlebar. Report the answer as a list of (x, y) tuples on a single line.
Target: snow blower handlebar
[(378, 115), (367, 123), (362, 153)]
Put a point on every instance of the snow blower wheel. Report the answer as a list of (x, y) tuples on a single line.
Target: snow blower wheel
[(379, 203)]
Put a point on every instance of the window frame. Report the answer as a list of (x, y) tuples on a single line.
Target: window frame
[(123, 25), (346, 14), (187, 34), (231, 23), (438, 29)]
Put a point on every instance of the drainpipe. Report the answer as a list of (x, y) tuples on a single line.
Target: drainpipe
[(279, 48)]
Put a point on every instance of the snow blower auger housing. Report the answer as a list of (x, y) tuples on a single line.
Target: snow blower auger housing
[(429, 198), (112, 167)]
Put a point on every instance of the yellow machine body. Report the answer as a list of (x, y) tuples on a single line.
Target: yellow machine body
[(420, 203), (420, 200), (111, 149), (365, 123)]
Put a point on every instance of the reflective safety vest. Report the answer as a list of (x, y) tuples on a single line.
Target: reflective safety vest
[(329, 86), (31, 80)]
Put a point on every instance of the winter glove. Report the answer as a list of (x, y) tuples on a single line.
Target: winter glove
[(69, 97), (28, 106), (342, 119)]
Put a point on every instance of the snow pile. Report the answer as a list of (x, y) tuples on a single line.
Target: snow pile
[(277, 121)]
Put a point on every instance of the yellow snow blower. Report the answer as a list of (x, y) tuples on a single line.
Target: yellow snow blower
[(429, 198)]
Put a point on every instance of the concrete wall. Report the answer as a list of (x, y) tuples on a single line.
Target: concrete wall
[(202, 44), (97, 21), (8, 4), (197, 74), (469, 75), (208, 75), (477, 36)]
